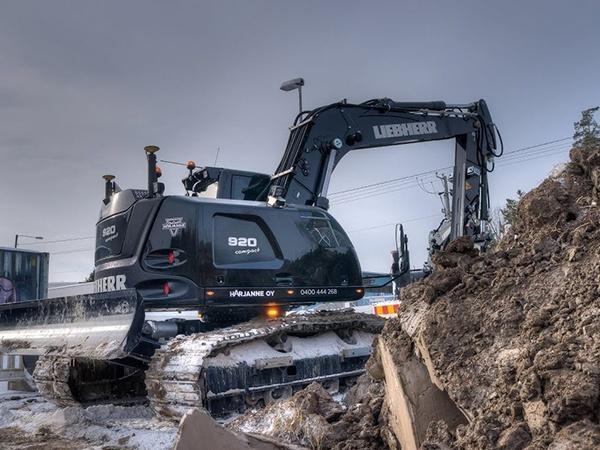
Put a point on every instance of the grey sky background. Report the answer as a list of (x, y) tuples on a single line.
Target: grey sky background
[(85, 85)]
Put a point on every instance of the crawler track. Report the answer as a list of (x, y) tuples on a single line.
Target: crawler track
[(52, 376), (225, 370), (258, 361), (68, 381)]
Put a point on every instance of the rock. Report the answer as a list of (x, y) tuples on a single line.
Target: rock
[(514, 438), (535, 415), (199, 431), (583, 435), (413, 400), (313, 419)]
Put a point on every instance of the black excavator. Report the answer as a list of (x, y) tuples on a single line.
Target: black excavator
[(263, 244)]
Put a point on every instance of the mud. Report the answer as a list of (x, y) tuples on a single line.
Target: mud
[(513, 337), (11, 345), (312, 418)]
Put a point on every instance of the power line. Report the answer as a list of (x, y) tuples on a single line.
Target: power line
[(379, 188), (60, 241), (375, 189), (406, 181), (530, 156), (415, 219), (378, 193), (72, 251), (367, 195), (388, 181), (393, 180), (539, 151), (516, 159), (540, 145), (516, 156), (511, 163)]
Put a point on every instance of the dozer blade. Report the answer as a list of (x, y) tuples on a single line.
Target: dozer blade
[(97, 326)]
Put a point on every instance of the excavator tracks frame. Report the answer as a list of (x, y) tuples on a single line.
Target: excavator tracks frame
[(81, 381), (224, 371), (179, 376)]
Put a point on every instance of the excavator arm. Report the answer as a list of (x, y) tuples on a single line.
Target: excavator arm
[(319, 139)]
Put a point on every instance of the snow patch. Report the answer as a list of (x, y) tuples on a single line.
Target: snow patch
[(101, 425), (328, 343)]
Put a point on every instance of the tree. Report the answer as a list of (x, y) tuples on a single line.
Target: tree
[(496, 225), (587, 130), (90, 277), (510, 211)]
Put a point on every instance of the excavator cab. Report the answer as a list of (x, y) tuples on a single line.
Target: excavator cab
[(218, 182)]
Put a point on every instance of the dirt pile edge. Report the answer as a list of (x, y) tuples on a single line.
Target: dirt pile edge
[(513, 337)]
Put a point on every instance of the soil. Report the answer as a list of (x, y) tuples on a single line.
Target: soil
[(514, 336), (312, 418)]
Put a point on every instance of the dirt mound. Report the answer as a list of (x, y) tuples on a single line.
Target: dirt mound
[(493, 351), (513, 337), (312, 418)]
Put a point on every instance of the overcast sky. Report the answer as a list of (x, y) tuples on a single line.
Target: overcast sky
[(85, 85)]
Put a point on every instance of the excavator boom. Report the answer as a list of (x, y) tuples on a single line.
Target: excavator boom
[(321, 138)]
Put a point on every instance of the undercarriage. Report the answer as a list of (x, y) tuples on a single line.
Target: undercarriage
[(225, 371)]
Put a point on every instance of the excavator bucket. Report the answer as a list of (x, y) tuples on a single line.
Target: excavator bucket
[(98, 326)]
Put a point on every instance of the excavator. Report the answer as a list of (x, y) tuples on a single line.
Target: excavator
[(257, 247)]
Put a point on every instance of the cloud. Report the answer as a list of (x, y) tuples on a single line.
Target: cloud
[(85, 85)]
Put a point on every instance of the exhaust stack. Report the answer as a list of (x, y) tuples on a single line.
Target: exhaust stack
[(109, 187), (152, 170)]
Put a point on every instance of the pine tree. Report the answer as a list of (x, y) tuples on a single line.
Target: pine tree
[(510, 211), (587, 130)]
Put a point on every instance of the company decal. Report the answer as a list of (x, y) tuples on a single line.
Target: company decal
[(109, 233), (404, 129), (251, 293), (473, 170), (110, 283), (173, 225), (244, 245), (308, 292), (321, 291)]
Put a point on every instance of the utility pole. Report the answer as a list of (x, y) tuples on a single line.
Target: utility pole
[(445, 196)]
